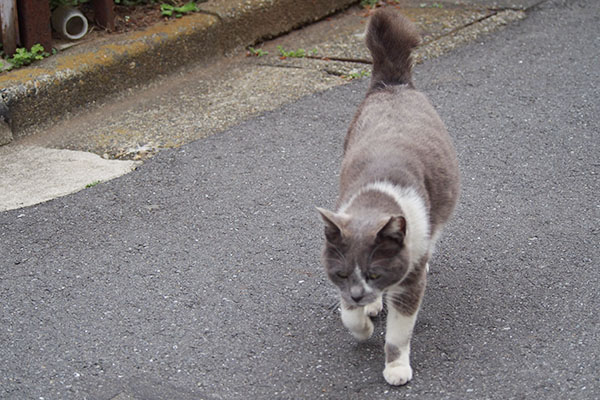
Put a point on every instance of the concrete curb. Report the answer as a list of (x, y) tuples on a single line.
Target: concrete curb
[(88, 72)]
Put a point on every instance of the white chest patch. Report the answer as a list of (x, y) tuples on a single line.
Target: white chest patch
[(413, 206)]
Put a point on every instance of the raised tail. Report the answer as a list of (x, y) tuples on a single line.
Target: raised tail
[(390, 39)]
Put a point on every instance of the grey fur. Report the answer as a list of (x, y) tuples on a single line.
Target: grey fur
[(392, 352), (390, 39)]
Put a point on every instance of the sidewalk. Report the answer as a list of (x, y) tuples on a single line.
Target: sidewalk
[(93, 72), (95, 69)]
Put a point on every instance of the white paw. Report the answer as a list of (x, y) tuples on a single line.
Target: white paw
[(357, 322), (397, 374), (363, 332), (374, 308)]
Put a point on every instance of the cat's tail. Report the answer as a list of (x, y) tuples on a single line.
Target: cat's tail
[(390, 39)]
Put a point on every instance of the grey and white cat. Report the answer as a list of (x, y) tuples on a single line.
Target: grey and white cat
[(399, 185)]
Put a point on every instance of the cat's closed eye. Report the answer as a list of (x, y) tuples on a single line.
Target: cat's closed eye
[(342, 274)]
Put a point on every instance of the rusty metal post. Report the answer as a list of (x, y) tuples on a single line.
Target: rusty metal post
[(104, 13), (34, 23), (9, 26)]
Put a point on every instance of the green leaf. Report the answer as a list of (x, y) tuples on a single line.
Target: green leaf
[(170, 10), (166, 9), (37, 48)]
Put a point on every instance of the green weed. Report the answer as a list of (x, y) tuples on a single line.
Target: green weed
[(369, 3), (377, 3), (356, 75), (89, 185), (300, 53), (169, 10), (257, 52), (24, 57)]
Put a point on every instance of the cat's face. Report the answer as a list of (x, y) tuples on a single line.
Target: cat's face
[(364, 257)]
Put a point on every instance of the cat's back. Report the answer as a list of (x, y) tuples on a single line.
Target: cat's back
[(398, 137), (396, 130), (396, 115)]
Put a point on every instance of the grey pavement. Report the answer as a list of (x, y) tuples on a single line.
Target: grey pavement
[(197, 275)]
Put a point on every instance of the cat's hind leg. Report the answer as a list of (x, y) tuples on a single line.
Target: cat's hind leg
[(357, 321)]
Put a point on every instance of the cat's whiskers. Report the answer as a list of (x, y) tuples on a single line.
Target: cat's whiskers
[(336, 306)]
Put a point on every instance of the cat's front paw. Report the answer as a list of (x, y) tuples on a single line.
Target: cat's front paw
[(357, 322), (362, 332), (374, 308), (397, 374)]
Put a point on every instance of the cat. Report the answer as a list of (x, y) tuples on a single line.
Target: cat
[(399, 185)]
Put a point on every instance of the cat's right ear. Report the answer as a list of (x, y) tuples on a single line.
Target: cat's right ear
[(333, 230)]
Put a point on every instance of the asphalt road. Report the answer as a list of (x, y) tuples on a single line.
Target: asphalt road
[(198, 276)]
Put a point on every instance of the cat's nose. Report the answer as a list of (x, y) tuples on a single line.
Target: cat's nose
[(357, 298), (357, 293)]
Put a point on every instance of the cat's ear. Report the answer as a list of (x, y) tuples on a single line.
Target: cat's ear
[(333, 230), (393, 228)]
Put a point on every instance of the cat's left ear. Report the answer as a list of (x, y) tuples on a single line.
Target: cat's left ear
[(393, 228)]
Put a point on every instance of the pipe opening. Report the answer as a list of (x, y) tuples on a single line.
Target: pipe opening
[(75, 26)]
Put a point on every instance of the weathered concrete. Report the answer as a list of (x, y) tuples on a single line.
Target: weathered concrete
[(39, 174), (205, 99), (5, 133), (94, 70)]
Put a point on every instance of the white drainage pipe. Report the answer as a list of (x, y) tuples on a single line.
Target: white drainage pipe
[(69, 22)]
